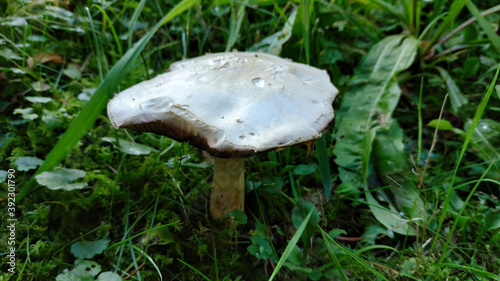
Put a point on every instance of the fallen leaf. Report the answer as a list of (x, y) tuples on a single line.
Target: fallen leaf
[(43, 58)]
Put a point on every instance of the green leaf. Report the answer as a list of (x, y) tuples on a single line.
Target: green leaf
[(324, 166), (372, 232), (109, 276), (260, 248), (83, 271), (295, 256), (336, 232), (98, 102), (129, 147), (477, 118), (457, 99), (271, 184), (26, 113), (28, 163), (391, 165), (305, 169), (88, 249), (485, 25), (392, 220), (454, 10), (471, 67), (9, 54), (239, 216), (161, 236), (61, 179), (73, 72), (293, 242), (486, 140), (274, 43), (300, 212), (306, 14), (440, 124), (236, 20), (492, 219), (38, 99), (368, 104)]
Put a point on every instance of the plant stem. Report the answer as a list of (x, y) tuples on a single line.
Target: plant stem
[(228, 192)]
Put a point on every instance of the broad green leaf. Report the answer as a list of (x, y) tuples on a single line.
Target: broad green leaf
[(26, 163), (239, 216), (9, 54), (271, 184), (336, 232), (372, 232), (492, 219), (300, 212), (260, 248), (390, 163), (73, 72), (372, 96), (389, 218), (38, 99), (26, 113), (440, 124), (305, 169), (62, 179), (88, 249), (162, 236), (109, 276), (295, 256), (129, 147), (457, 99), (83, 271), (97, 103)]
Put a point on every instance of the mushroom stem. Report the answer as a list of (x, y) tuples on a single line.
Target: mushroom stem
[(228, 192)]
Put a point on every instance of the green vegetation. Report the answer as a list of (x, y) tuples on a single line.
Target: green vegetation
[(405, 186)]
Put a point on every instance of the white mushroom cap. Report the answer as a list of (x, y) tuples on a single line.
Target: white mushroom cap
[(230, 104)]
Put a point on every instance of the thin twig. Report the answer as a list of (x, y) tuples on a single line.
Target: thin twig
[(134, 272), (469, 22), (434, 141)]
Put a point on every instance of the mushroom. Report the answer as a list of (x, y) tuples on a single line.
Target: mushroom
[(232, 105)]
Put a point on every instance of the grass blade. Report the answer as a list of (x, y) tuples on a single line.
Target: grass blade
[(332, 254), (97, 103), (455, 9), (237, 17), (356, 258), (485, 25), (324, 166), (291, 245), (305, 10), (446, 204), (133, 21), (194, 269)]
